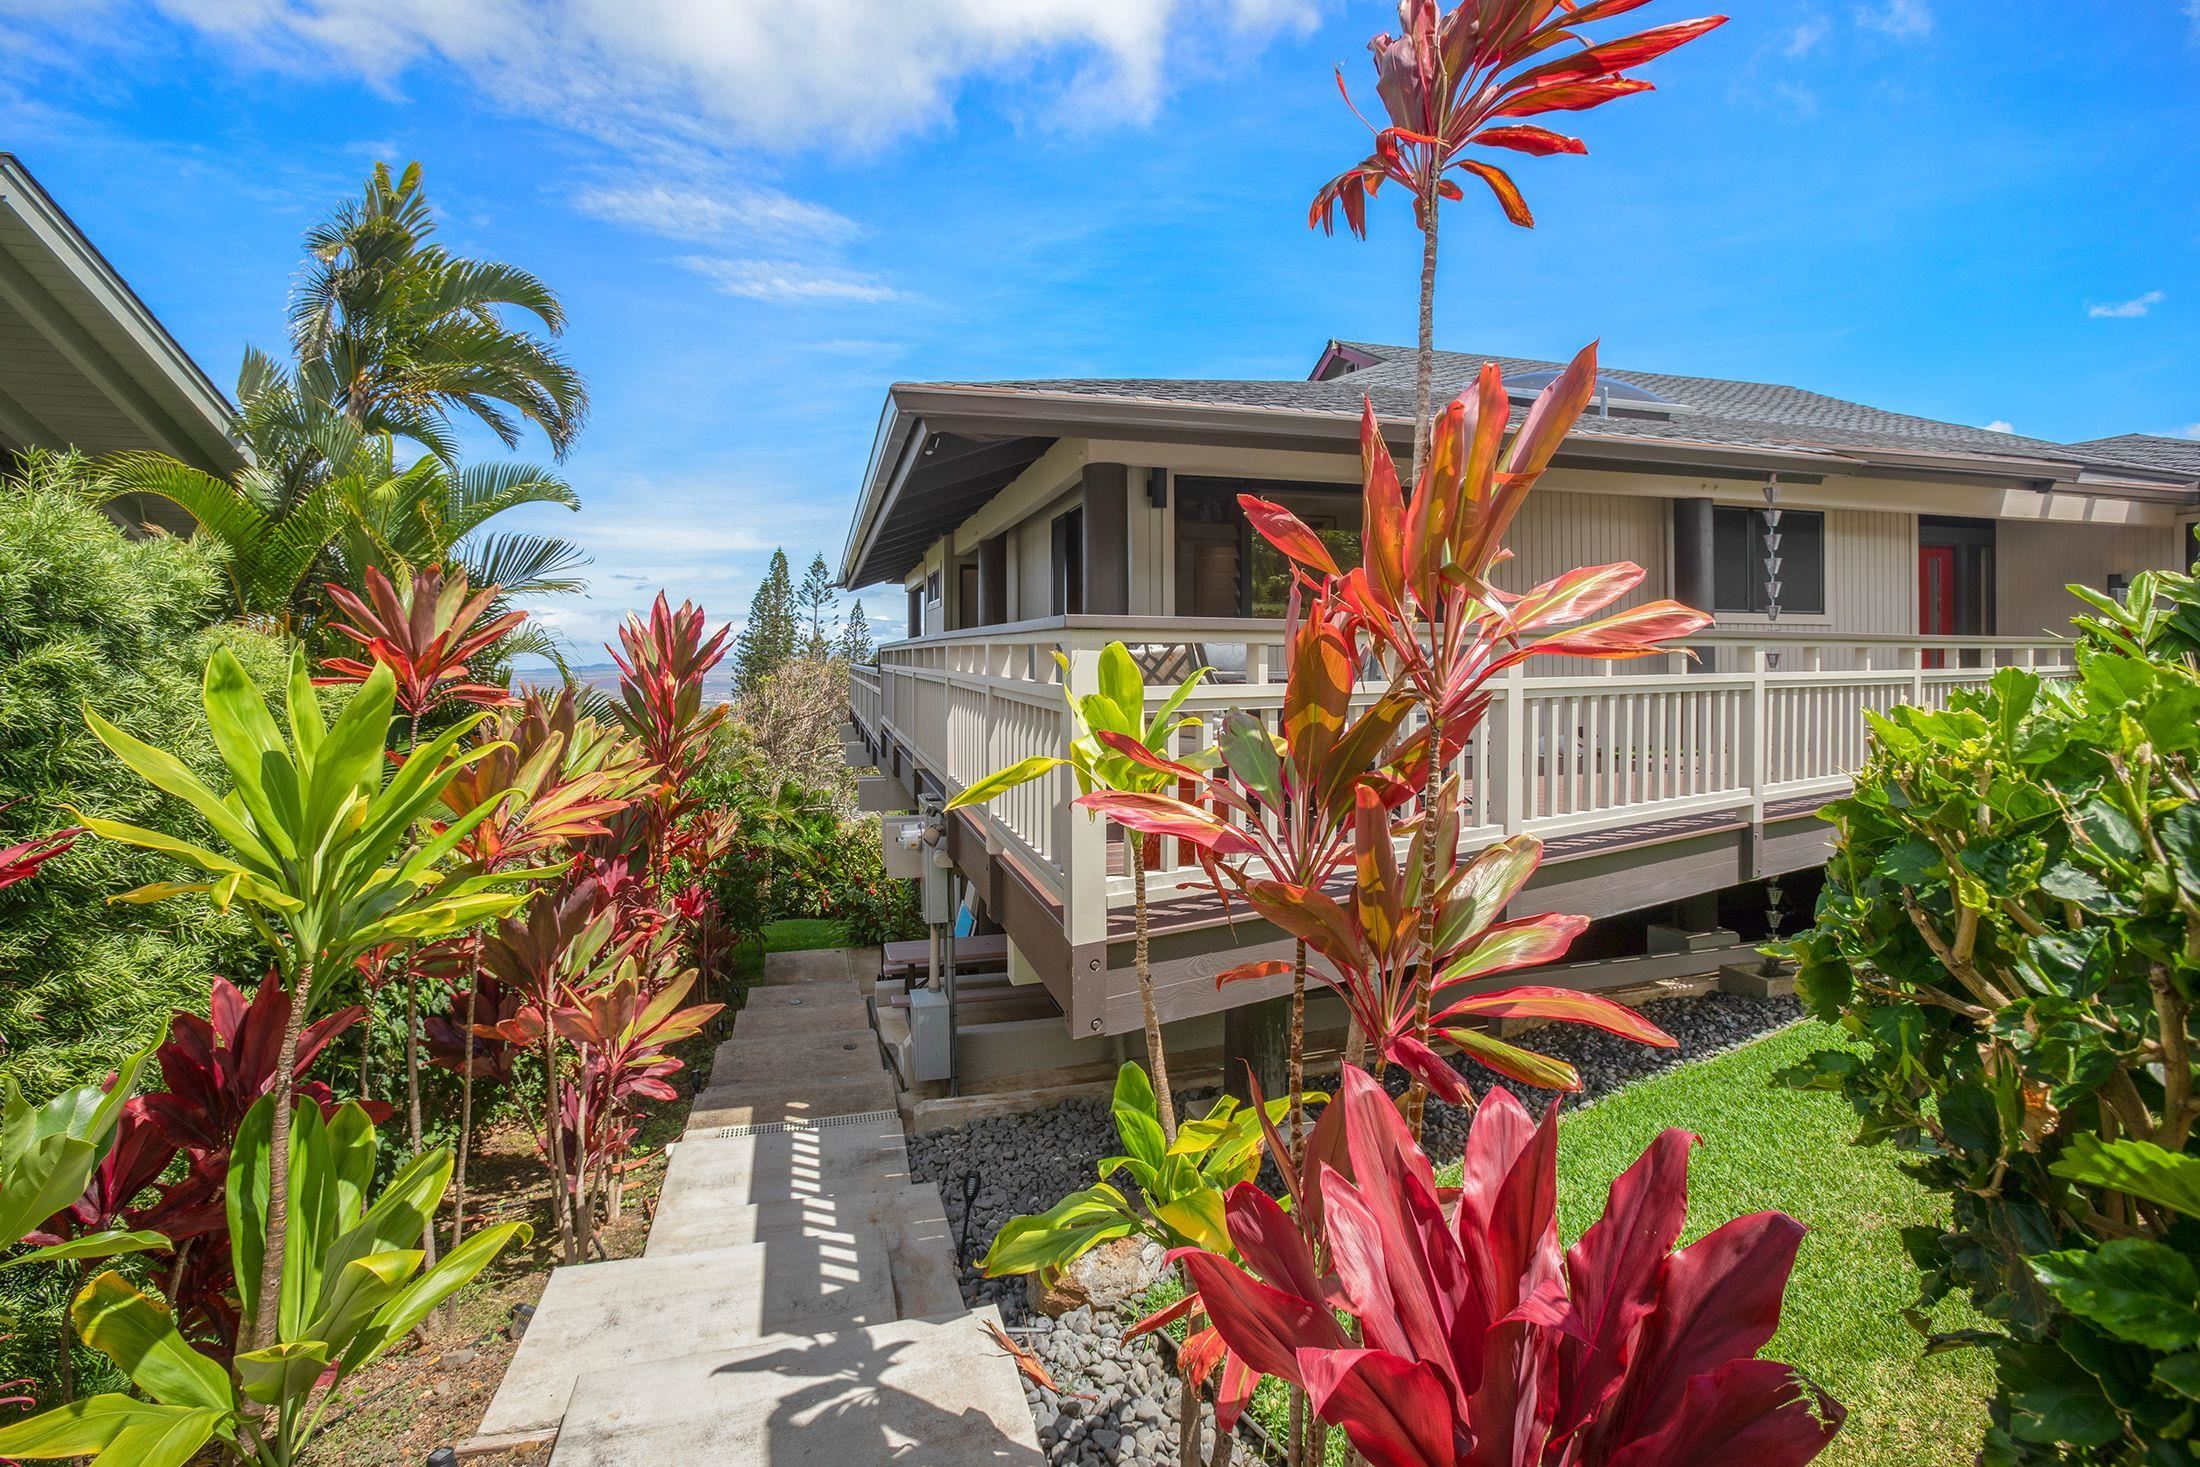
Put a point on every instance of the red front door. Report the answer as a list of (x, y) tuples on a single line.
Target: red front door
[(1936, 596)]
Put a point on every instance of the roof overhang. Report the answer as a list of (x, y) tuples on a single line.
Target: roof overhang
[(919, 413), (91, 366)]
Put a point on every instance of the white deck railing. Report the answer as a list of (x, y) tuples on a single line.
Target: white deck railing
[(1567, 747)]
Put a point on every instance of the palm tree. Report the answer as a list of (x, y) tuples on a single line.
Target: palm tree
[(407, 333), (323, 499)]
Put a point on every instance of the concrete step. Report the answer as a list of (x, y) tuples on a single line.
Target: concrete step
[(601, 1317), (937, 1392), (795, 1009), (786, 1163), (920, 1247), (817, 965), (773, 1101)]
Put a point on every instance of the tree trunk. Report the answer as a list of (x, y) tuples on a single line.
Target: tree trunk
[(1156, 1062), (266, 1316), (553, 1149), (1424, 368), (466, 1099), (1187, 1423), (1256, 1037), (1416, 1100), (1294, 1445), (65, 1337), (412, 1098)]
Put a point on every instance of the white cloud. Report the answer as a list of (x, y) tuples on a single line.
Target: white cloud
[(791, 282), (2125, 310), (693, 212), (1905, 20), (1808, 34), (2001, 425), (848, 74), (2190, 430), (2192, 13)]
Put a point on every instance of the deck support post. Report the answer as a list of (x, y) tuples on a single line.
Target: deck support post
[(1257, 1035)]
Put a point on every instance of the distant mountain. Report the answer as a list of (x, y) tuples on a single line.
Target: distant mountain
[(718, 686)]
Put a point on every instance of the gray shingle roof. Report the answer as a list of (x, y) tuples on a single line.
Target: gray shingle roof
[(1712, 410), (2149, 450)]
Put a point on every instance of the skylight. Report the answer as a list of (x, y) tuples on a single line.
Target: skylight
[(1612, 392)]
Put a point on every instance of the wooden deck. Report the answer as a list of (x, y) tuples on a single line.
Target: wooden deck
[(1187, 908)]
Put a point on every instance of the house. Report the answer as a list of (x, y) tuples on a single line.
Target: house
[(1029, 517), (83, 363)]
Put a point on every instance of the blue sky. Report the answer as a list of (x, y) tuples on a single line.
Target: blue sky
[(761, 213)]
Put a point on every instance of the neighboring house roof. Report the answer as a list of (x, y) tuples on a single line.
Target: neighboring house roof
[(83, 363), (1717, 424), (2178, 455)]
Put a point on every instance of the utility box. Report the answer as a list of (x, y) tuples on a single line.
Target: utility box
[(931, 1039), (903, 860)]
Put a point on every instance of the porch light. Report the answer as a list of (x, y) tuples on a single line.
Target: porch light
[(1157, 488)]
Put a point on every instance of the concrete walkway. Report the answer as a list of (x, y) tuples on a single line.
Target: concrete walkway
[(797, 1300)]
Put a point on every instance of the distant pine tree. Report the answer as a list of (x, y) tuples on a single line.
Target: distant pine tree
[(854, 645), (815, 599), (768, 639)]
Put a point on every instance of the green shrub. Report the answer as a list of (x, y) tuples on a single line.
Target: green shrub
[(873, 907), (88, 616), (2010, 925)]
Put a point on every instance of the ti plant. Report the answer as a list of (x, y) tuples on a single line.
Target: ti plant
[(318, 840), (1458, 1332), (568, 778), (2010, 936), (662, 663), (1454, 81), (621, 1030), (1124, 763), (49, 1155), (1373, 941), (351, 1289), (1426, 606), (425, 634), (1180, 1185)]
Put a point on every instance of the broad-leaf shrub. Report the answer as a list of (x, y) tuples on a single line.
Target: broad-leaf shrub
[(1475, 1338), (351, 1289), (2010, 934), (1177, 1187)]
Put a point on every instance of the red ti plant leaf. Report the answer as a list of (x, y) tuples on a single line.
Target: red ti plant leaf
[(1139, 754), (1514, 1063), (1574, 595), (425, 635), (1516, 944), (1531, 1001), (1288, 533), (20, 862), (1163, 816), (1250, 972), (1478, 1343)]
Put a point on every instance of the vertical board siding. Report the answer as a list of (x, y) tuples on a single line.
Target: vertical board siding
[(1153, 574), (1559, 530), (2035, 563), (1871, 572)]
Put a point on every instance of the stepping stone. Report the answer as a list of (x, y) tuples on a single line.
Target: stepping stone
[(786, 1163), (908, 1220), (941, 1393), (601, 1317)]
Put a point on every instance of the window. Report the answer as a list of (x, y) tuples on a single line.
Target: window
[(1738, 582), (1069, 564), (932, 589)]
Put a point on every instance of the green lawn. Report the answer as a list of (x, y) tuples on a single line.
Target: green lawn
[(793, 935), (1762, 1148), (1766, 1148)]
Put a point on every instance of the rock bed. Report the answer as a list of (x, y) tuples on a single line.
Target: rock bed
[(1026, 1163)]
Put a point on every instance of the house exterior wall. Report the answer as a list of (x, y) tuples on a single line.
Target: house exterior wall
[(1582, 516), (2036, 562)]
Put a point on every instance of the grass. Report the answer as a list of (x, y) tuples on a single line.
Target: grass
[(1769, 1148), (1763, 1148), (790, 935)]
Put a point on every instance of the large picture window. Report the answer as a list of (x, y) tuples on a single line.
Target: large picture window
[(1738, 562)]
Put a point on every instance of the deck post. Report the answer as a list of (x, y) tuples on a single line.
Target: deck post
[(1755, 727), (1085, 840)]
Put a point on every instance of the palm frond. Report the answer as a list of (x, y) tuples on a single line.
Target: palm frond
[(525, 565)]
